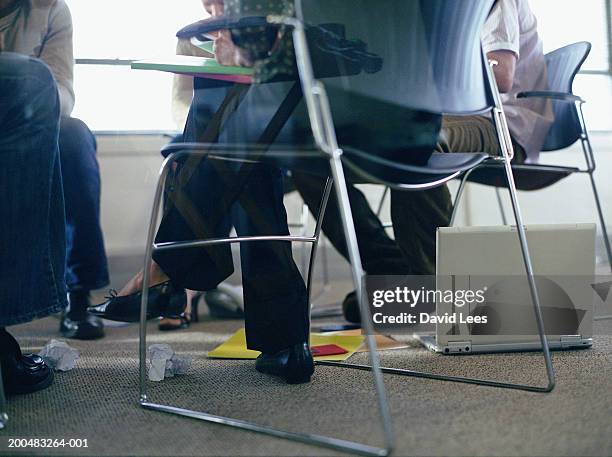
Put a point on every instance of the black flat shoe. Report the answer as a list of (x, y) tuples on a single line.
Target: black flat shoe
[(294, 364), (164, 300), (77, 323), (26, 375), (22, 373)]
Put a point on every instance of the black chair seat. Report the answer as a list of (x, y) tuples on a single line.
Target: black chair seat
[(437, 168), (527, 177)]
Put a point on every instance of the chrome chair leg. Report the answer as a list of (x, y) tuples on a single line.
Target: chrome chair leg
[(522, 235), (459, 195), (317, 235), (381, 203), (359, 283), (303, 231), (3, 409), (500, 204), (381, 206), (536, 304)]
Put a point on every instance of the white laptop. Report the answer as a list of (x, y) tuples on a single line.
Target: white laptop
[(488, 260)]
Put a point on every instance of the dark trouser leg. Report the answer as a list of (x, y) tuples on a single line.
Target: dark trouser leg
[(87, 267), (416, 217), (276, 305), (198, 207), (275, 296), (380, 254)]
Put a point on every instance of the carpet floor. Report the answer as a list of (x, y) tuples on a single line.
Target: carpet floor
[(98, 401)]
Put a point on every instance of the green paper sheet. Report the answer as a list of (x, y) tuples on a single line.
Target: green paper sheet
[(191, 65)]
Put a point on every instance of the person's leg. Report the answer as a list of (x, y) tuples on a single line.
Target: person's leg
[(192, 210), (380, 254), (417, 215), (276, 305), (32, 243), (87, 267), (473, 134)]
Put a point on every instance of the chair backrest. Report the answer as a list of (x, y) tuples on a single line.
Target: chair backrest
[(563, 65), (430, 49), (420, 59)]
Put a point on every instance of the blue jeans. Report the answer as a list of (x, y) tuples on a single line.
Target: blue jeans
[(87, 267), (32, 221)]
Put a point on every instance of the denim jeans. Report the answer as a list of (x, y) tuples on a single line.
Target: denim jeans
[(87, 267), (32, 234)]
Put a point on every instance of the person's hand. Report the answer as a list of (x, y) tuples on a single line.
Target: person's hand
[(227, 53)]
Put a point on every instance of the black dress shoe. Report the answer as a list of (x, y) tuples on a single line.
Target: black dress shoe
[(22, 373), (164, 300), (294, 364), (77, 323), (350, 308)]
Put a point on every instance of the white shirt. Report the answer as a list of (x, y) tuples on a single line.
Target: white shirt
[(512, 26), (43, 29)]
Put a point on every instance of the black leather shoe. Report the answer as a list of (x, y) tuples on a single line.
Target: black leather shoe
[(77, 323), (164, 300), (22, 373), (350, 308), (294, 364)]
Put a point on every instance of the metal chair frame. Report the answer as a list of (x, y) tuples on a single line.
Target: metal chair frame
[(590, 169), (302, 225), (323, 130), (324, 133)]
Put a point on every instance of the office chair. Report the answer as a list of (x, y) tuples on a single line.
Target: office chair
[(431, 60), (569, 127)]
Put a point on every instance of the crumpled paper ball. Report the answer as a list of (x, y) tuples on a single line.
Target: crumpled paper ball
[(163, 362), (59, 355)]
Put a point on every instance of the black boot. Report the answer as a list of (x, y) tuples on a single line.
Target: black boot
[(294, 364), (21, 373), (77, 323)]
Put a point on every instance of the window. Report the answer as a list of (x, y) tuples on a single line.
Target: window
[(111, 96), (564, 22), (107, 35)]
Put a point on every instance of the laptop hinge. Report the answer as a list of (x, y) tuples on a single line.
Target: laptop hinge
[(455, 347), (569, 341)]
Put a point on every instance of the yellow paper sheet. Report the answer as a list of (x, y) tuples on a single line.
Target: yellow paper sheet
[(235, 346)]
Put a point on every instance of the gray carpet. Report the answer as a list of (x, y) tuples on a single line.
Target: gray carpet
[(98, 401)]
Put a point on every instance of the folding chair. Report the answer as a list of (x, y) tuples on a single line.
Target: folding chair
[(569, 126), (440, 67)]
